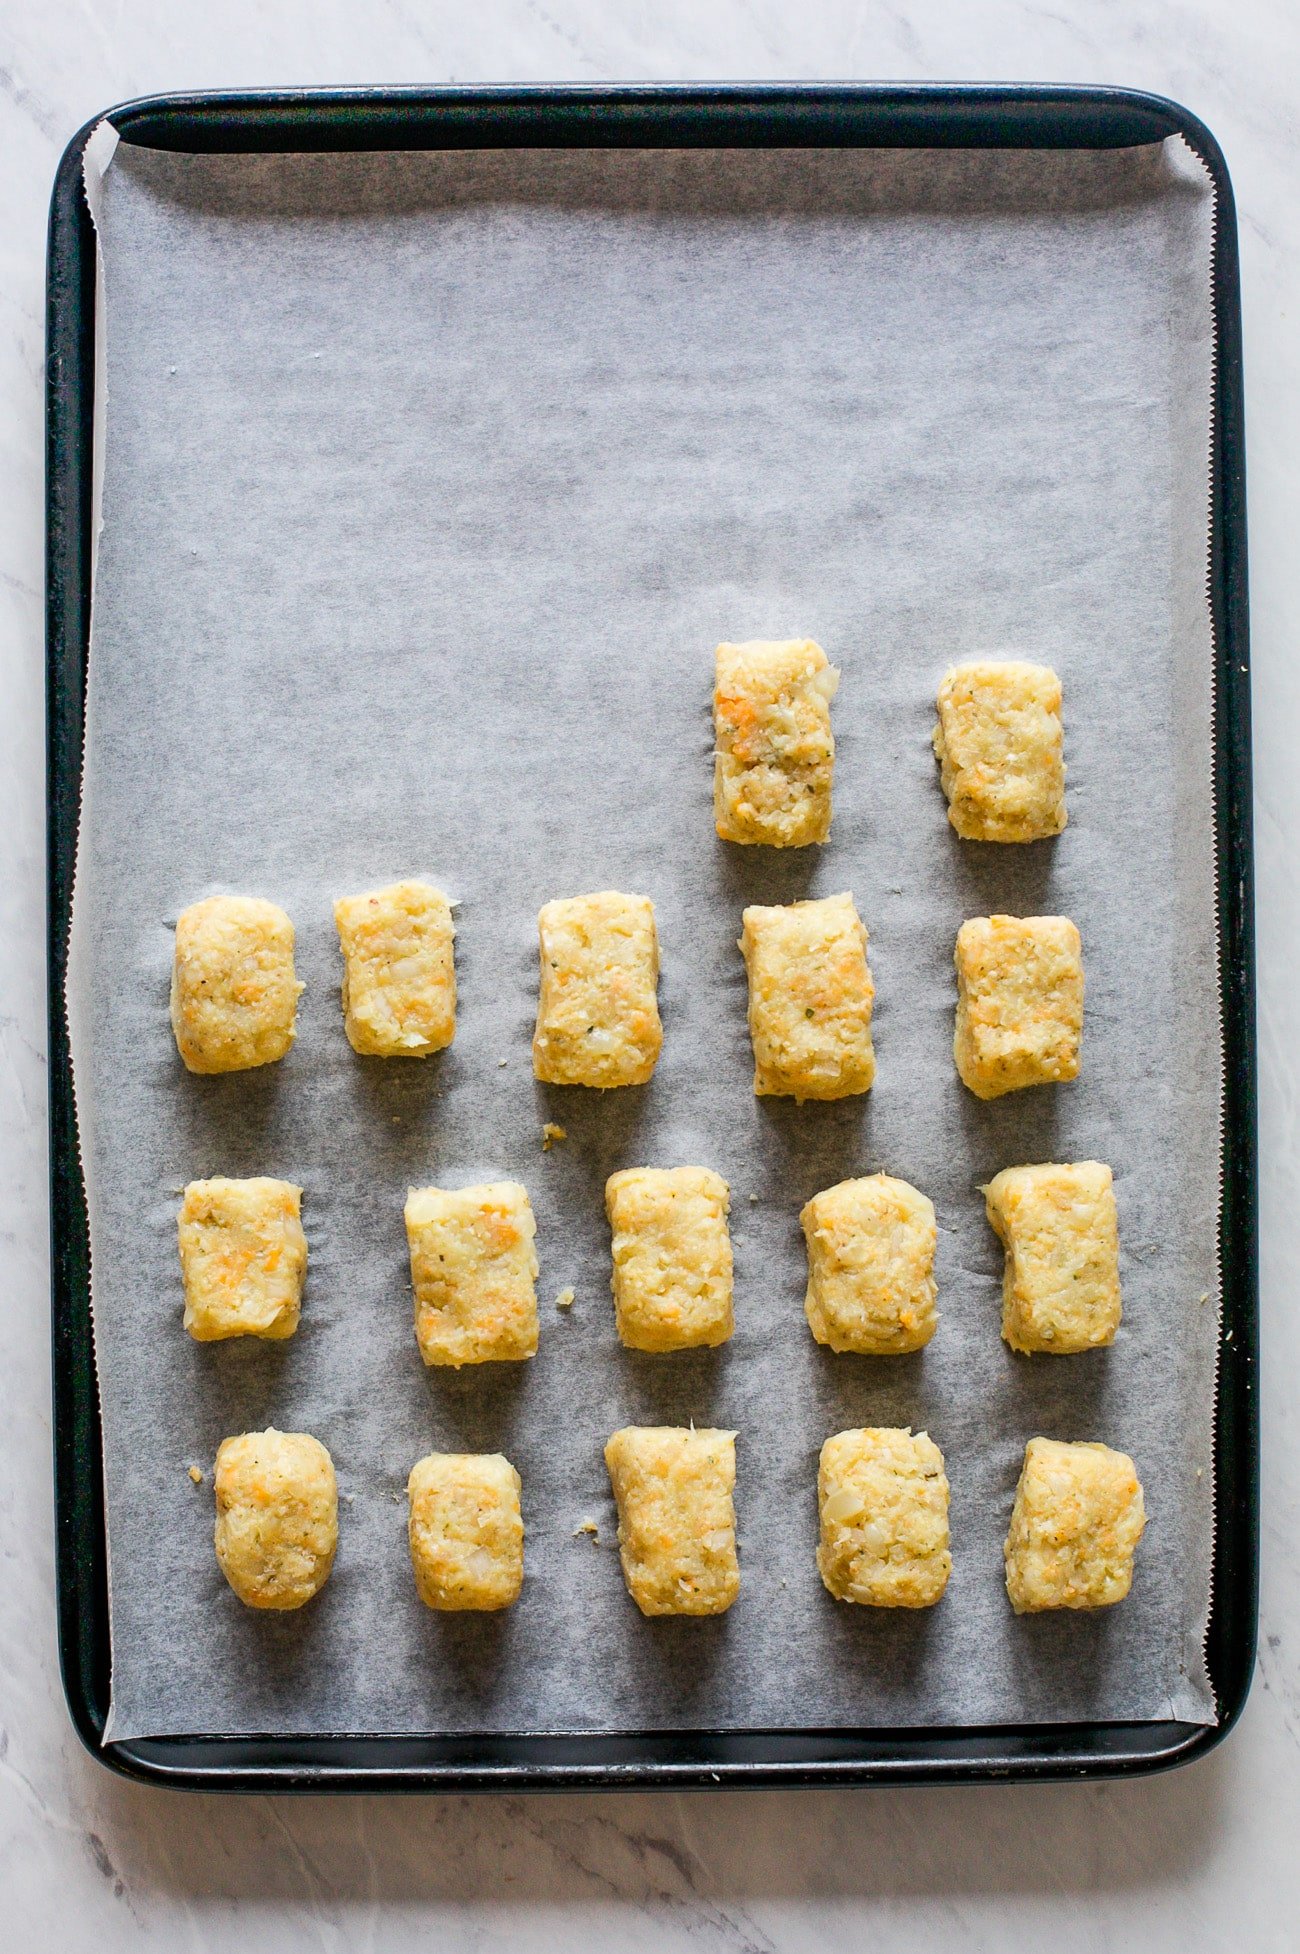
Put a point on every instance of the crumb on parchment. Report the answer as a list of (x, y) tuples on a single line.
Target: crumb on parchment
[(550, 1134), (588, 1527), (196, 1475), (565, 1299)]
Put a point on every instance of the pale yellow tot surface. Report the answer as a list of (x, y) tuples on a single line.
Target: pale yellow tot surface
[(672, 1257), (883, 1502), (277, 1517), (775, 752), (871, 1284), (1075, 1525), (676, 1522), (399, 970), (597, 1007), (234, 999), (243, 1258), (466, 1531), (474, 1273), (810, 999), (1060, 1289), (1019, 1003), (999, 746)]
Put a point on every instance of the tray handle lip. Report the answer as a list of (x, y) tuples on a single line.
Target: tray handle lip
[(80, 1584), (1173, 1744), (1138, 115)]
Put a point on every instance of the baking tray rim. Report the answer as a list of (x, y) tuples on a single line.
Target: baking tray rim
[(650, 115)]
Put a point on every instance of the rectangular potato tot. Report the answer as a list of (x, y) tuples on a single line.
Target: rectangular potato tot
[(277, 1525), (676, 1522), (1075, 1526), (466, 1531), (234, 997), (672, 1257), (1019, 1003), (243, 1258), (399, 971), (1060, 1288), (998, 743), (474, 1273), (810, 998), (597, 1008), (775, 749), (882, 1497), (871, 1284)]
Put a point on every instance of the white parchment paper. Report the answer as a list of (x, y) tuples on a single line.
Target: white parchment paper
[(431, 482)]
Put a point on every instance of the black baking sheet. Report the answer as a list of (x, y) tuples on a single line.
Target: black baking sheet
[(1220, 372)]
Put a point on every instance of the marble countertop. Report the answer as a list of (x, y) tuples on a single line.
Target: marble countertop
[(1201, 1859)]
